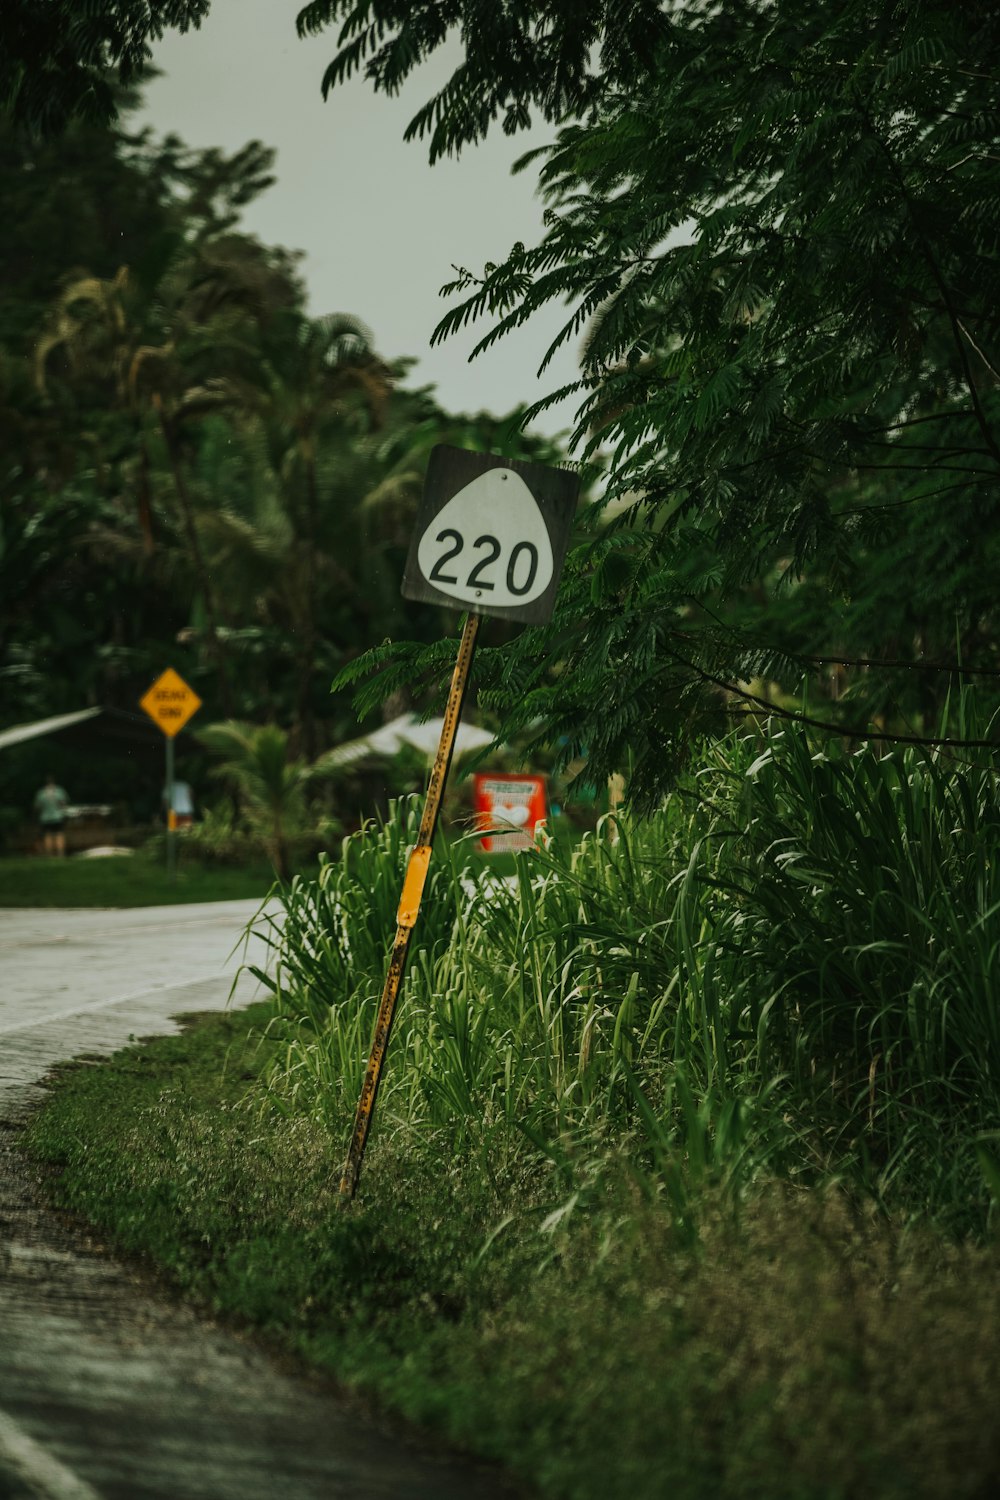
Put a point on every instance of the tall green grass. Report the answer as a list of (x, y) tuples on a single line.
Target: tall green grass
[(789, 970)]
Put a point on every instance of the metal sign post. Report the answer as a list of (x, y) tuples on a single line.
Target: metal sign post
[(491, 536), (409, 906), (171, 815), (170, 703)]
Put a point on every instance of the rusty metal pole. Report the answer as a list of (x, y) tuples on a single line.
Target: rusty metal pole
[(409, 906)]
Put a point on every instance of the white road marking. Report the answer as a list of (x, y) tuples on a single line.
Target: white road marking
[(45, 1474)]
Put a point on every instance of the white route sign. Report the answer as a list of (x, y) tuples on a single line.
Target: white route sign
[(491, 535)]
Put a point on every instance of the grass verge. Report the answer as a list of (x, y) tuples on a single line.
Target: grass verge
[(123, 881), (795, 1347)]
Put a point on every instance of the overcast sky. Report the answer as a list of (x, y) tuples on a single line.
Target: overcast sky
[(379, 227)]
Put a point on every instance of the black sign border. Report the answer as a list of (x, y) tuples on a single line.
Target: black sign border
[(449, 470)]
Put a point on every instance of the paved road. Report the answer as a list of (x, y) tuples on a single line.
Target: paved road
[(85, 981), (108, 1390)]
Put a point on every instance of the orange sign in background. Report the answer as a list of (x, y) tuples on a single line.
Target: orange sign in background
[(170, 702), (511, 808)]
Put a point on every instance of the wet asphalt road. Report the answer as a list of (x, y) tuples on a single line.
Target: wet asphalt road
[(75, 982), (108, 1388)]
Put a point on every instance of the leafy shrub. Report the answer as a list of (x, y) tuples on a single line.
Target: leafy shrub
[(788, 968)]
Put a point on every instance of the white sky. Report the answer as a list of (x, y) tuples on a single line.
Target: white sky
[(380, 228)]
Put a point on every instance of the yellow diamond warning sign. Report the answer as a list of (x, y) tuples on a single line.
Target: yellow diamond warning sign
[(170, 702)]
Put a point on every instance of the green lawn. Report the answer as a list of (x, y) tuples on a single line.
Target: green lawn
[(123, 881)]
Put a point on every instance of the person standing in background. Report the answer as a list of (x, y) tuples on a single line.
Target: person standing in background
[(183, 805), (51, 803)]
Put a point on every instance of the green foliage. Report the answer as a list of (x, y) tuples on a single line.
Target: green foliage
[(590, 1350), (56, 58), (787, 970), (92, 180), (100, 558), (517, 56), (269, 781), (194, 472), (330, 948), (776, 231), (219, 839)]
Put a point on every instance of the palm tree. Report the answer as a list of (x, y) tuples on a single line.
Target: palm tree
[(166, 359), (270, 783), (321, 389)]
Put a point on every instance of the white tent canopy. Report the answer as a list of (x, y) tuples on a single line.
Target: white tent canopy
[(406, 730), (18, 733)]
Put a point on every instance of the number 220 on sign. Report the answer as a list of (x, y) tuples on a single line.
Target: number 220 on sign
[(522, 566), (491, 536)]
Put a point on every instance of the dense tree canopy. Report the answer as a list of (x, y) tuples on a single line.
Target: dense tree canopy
[(776, 229), (560, 57), (60, 60), (193, 470)]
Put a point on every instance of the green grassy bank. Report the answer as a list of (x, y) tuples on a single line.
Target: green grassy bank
[(803, 1347), (684, 1179), (133, 880)]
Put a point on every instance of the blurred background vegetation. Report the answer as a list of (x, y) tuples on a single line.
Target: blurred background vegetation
[(194, 472)]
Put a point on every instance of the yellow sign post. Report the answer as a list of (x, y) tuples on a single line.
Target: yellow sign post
[(170, 703), (409, 907)]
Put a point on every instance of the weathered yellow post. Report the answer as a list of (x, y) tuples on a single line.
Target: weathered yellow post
[(409, 906)]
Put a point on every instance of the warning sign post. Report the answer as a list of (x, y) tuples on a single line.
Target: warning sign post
[(170, 703)]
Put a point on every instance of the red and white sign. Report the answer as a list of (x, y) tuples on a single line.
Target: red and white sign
[(509, 810)]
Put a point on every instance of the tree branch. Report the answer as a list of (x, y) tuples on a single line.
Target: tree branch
[(991, 367), (846, 730), (938, 278)]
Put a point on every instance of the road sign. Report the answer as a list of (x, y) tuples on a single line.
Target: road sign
[(490, 539), (170, 702), (491, 535), (509, 810)]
